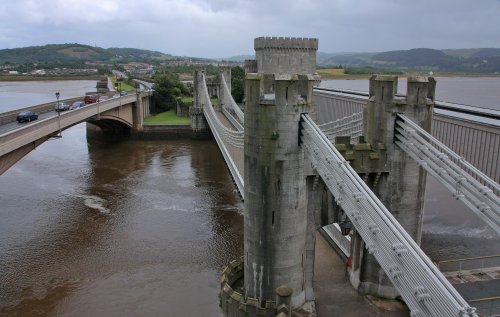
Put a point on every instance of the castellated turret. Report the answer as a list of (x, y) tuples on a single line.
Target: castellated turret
[(250, 66), (286, 55)]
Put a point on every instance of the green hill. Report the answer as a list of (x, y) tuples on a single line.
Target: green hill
[(475, 60), (473, 52), (70, 53), (418, 57)]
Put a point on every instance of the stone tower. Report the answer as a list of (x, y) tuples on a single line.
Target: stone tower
[(401, 187), (276, 265), (275, 181), (199, 125)]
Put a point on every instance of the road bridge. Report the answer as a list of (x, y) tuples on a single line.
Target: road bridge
[(116, 115)]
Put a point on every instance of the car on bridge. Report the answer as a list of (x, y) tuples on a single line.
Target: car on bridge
[(61, 106), (26, 116), (76, 105), (120, 94), (90, 99)]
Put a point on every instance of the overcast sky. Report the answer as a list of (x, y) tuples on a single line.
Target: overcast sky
[(223, 28)]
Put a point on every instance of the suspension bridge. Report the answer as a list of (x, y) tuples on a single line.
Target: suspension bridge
[(281, 131)]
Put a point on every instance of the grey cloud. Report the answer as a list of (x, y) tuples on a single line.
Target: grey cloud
[(217, 28)]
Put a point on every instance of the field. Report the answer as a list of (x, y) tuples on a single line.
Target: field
[(327, 73), (336, 73), (166, 118)]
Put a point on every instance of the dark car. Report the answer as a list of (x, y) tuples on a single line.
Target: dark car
[(26, 116), (90, 99), (76, 105)]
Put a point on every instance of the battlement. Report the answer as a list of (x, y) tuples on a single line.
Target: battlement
[(250, 65), (262, 43), (280, 89), (285, 55)]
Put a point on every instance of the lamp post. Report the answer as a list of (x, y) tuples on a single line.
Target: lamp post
[(58, 114), (118, 86)]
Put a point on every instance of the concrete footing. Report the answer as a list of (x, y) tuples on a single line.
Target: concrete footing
[(234, 302)]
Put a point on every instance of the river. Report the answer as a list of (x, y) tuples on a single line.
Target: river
[(141, 228), (475, 91), (15, 95)]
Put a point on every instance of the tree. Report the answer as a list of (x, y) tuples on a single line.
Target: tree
[(238, 83), (167, 87)]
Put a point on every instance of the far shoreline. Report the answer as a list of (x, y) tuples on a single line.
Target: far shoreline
[(326, 76), (5, 78), (435, 75)]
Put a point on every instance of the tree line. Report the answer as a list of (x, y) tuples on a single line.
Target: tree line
[(168, 89)]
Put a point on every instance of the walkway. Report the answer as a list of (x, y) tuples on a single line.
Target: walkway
[(335, 295)]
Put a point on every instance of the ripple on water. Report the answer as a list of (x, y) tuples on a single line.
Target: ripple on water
[(95, 202)]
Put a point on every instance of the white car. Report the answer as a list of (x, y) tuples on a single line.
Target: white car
[(61, 106)]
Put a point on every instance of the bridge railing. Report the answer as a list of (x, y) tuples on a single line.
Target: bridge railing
[(348, 126), (471, 263), (10, 116), (489, 306), (341, 241), (232, 119), (332, 105), (423, 287)]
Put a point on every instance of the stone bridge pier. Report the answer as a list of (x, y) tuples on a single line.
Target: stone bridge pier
[(199, 125)]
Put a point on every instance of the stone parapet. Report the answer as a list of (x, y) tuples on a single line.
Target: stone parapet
[(261, 43), (363, 157)]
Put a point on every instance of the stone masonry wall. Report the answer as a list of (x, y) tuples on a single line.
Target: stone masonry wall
[(285, 55)]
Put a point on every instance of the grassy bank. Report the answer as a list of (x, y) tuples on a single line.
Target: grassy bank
[(123, 85), (166, 118)]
